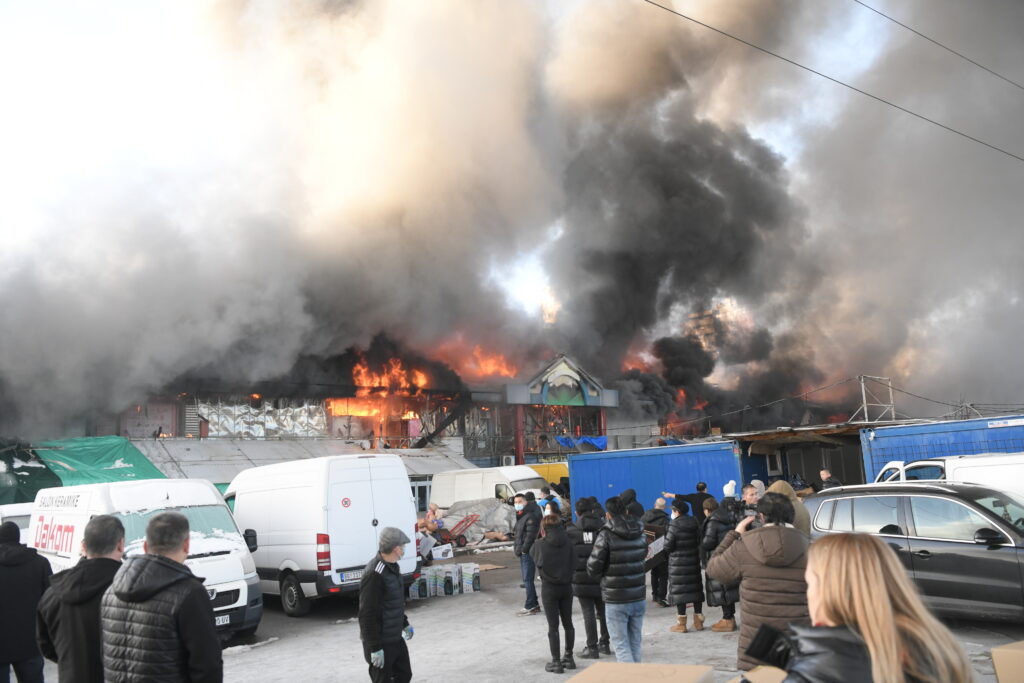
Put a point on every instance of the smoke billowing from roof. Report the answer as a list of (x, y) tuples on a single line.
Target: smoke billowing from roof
[(267, 182)]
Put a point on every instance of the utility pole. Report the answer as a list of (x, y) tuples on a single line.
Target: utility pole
[(872, 407)]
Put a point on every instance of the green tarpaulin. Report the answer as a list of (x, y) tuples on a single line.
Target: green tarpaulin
[(98, 459)]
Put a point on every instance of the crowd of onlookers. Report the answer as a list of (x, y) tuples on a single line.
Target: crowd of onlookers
[(841, 608)]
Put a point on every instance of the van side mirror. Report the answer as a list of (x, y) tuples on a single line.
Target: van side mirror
[(988, 536), (250, 539)]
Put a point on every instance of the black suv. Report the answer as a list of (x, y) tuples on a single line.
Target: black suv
[(963, 544)]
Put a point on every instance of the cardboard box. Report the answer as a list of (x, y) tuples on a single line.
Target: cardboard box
[(614, 672), (1009, 661), (442, 552), (761, 674)]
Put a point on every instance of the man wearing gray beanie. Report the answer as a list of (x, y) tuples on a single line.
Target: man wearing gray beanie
[(383, 626)]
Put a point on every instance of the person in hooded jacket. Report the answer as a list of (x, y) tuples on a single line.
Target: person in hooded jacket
[(719, 523), (156, 615), (657, 518), (68, 621), (768, 563), (555, 557), (682, 543), (801, 517), (24, 576), (633, 507), (618, 559), (528, 516), (586, 588)]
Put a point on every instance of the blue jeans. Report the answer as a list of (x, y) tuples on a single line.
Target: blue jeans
[(625, 622), (528, 568)]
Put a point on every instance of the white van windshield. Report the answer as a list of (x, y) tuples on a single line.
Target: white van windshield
[(204, 522), (527, 484)]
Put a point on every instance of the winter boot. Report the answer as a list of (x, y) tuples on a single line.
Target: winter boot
[(568, 662), (604, 648), (554, 667), (698, 622), (724, 626), (680, 625), (590, 653)]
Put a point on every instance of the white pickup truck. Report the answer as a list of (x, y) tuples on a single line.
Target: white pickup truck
[(998, 470)]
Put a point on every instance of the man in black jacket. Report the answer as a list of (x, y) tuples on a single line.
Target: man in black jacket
[(528, 516), (156, 615), (24, 576), (586, 588), (383, 626), (618, 558), (658, 519), (68, 622)]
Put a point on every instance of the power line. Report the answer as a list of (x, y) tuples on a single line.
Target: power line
[(944, 47), (836, 80), (923, 398)]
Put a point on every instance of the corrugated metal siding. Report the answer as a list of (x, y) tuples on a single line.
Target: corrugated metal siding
[(919, 442), (652, 470)]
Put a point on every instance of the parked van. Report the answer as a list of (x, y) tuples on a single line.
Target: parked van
[(997, 470), (217, 551), (476, 483), (19, 513), (318, 519)]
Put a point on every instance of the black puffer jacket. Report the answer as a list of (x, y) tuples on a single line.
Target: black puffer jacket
[(826, 654), (618, 558), (682, 543), (723, 520), (555, 557), (381, 604), (583, 534), (68, 622), (24, 575), (628, 498), (158, 624), (527, 528), (656, 517)]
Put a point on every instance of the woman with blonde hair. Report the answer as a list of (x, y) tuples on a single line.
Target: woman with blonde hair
[(869, 621)]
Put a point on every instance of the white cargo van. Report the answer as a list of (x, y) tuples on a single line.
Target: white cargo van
[(318, 519), (19, 513), (477, 483), (998, 470), (217, 552)]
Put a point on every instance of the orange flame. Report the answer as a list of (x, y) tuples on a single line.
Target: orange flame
[(395, 379), (490, 364), (700, 404), (476, 364), (681, 397), (341, 407)]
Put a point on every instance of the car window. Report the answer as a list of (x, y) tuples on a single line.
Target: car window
[(945, 519), (924, 473), (891, 473), (1004, 505), (843, 520), (823, 519), (503, 491), (877, 515)]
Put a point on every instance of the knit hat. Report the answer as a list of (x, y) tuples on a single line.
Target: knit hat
[(389, 538), (729, 490), (9, 533), (759, 485), (681, 505)]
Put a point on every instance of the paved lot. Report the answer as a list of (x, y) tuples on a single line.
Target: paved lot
[(478, 638)]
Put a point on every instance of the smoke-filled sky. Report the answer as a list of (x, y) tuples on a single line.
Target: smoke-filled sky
[(233, 184)]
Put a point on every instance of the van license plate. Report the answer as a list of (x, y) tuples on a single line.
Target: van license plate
[(223, 620), (351, 576)]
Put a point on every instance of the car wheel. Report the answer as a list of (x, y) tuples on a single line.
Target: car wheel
[(293, 600)]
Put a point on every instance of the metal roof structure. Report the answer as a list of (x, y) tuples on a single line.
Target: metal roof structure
[(219, 460)]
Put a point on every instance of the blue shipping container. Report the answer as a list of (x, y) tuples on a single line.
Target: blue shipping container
[(938, 439), (650, 471)]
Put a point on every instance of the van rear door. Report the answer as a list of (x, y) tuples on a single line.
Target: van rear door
[(393, 504), (350, 514)]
